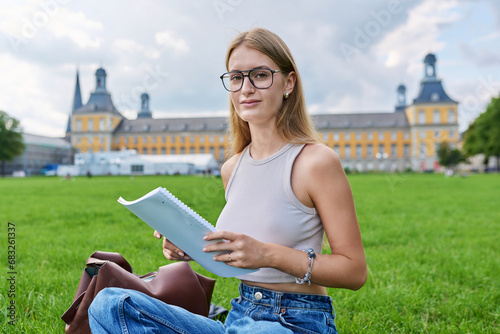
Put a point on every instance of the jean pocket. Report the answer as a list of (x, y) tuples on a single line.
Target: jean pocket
[(308, 321)]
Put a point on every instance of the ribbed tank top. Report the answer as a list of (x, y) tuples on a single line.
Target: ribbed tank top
[(260, 203)]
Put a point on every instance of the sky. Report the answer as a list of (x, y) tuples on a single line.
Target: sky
[(351, 55)]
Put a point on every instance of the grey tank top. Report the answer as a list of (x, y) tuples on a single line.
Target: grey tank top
[(261, 204)]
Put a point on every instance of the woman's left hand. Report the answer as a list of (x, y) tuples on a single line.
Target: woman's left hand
[(241, 250)]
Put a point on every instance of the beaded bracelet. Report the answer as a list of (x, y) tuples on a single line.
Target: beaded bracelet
[(307, 277)]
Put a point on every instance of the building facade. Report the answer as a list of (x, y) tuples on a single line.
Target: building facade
[(405, 138), (40, 155)]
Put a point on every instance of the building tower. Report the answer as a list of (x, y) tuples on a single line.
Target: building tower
[(92, 124), (145, 112), (432, 117), (77, 103), (401, 98)]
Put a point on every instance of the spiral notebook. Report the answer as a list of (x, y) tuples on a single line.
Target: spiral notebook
[(182, 226)]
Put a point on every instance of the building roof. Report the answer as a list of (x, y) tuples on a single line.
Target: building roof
[(432, 91), (324, 121), (99, 102), (360, 120), (172, 124), (37, 140)]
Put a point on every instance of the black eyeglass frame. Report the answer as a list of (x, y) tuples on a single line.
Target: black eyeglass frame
[(248, 76)]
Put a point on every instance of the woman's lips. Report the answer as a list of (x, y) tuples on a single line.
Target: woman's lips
[(249, 103)]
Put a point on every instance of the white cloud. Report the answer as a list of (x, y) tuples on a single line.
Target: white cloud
[(418, 35), (169, 39), (76, 26)]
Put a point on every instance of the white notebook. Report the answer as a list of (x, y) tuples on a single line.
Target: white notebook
[(182, 226)]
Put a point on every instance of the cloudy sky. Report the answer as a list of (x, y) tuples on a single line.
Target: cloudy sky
[(351, 55)]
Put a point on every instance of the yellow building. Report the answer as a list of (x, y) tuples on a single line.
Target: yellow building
[(401, 139)]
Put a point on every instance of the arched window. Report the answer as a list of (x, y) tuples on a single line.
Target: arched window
[(451, 116), (421, 117), (435, 117)]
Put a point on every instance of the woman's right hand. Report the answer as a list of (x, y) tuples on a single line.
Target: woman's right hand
[(171, 251)]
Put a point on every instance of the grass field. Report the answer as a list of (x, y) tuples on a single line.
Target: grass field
[(432, 247)]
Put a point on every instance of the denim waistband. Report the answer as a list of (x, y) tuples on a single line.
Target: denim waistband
[(280, 299)]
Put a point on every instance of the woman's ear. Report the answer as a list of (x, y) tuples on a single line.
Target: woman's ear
[(290, 82)]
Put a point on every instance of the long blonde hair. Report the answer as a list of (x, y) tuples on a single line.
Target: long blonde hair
[(293, 123)]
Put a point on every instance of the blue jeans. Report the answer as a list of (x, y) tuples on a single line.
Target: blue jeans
[(256, 310)]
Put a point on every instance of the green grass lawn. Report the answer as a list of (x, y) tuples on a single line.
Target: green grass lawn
[(432, 247)]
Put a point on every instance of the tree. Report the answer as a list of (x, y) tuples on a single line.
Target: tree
[(483, 135), (11, 139), (449, 157)]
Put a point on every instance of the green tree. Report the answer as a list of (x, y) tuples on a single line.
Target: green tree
[(483, 135), (11, 139), (448, 156)]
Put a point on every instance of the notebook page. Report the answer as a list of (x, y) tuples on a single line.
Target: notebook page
[(182, 226)]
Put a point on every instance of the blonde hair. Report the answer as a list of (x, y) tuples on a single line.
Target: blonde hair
[(293, 123)]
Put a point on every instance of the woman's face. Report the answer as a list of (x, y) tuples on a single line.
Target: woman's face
[(258, 106)]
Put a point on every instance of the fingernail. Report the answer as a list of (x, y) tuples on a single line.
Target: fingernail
[(180, 253), (205, 238), (204, 249)]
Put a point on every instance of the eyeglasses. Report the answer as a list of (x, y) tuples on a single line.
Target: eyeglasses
[(261, 78)]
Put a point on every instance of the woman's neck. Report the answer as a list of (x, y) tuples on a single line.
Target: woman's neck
[(265, 142)]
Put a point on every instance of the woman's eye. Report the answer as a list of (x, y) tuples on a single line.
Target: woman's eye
[(261, 75), (235, 77)]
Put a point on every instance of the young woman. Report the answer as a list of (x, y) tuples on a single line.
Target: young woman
[(284, 191)]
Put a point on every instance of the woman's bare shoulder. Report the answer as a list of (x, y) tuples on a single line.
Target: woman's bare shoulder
[(228, 168), (319, 157)]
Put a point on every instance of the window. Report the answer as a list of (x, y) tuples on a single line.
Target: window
[(393, 135), (422, 150), (125, 140), (144, 139), (78, 125), (451, 116), (422, 134), (222, 153), (369, 151), (421, 117), (191, 150), (137, 168), (163, 150), (191, 139), (135, 140), (153, 139), (358, 151), (381, 149), (173, 150), (435, 117), (102, 125), (91, 125), (336, 148), (212, 149), (211, 138), (393, 150), (182, 139), (347, 151), (202, 138), (406, 150), (370, 135), (144, 151), (336, 137), (202, 150), (163, 140), (358, 135), (172, 139), (451, 134), (406, 136), (437, 134), (153, 150), (347, 136), (183, 150)]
